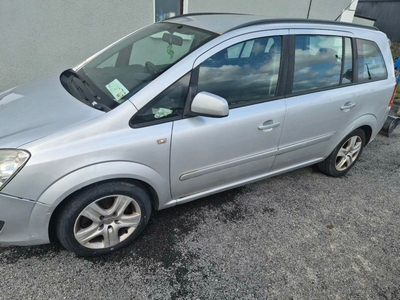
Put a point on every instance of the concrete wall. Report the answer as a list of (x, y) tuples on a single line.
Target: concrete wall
[(348, 14), (363, 21), (320, 9), (42, 37)]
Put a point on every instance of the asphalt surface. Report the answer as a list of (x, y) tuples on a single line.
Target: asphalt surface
[(301, 235)]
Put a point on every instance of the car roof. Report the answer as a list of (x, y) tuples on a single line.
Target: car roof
[(224, 22)]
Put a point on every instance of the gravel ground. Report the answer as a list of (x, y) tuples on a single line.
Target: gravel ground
[(301, 235)]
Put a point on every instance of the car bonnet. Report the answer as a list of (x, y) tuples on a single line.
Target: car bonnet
[(31, 111)]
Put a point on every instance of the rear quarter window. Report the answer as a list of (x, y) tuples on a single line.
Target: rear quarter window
[(371, 65)]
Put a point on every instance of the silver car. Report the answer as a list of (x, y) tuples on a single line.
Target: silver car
[(179, 110)]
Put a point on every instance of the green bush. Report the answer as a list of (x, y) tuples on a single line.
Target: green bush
[(395, 47)]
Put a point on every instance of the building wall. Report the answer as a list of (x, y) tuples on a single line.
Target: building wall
[(386, 14), (363, 21), (42, 37), (320, 9)]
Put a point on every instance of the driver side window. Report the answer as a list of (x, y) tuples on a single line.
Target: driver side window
[(244, 73), (167, 106)]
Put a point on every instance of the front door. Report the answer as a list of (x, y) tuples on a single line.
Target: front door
[(213, 153)]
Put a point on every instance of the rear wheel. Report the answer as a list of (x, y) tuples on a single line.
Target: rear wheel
[(103, 218), (343, 158)]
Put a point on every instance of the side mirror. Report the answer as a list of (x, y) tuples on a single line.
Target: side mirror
[(209, 105)]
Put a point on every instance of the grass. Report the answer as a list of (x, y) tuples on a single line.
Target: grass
[(395, 47)]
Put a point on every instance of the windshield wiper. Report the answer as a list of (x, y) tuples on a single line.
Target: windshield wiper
[(92, 101), (100, 106), (369, 73)]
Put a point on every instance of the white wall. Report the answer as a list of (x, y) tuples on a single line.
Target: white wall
[(363, 21), (348, 14), (42, 37), (320, 9)]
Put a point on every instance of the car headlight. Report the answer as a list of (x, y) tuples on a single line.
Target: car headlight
[(11, 161)]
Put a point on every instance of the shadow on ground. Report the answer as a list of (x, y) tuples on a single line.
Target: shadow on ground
[(157, 242)]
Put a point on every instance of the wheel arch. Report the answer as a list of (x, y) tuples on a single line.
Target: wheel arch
[(54, 216), (89, 176), (368, 132), (369, 124), (366, 122)]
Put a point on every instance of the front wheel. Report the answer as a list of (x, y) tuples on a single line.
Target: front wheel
[(103, 218), (343, 158)]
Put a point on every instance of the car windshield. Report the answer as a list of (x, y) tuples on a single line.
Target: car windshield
[(116, 74)]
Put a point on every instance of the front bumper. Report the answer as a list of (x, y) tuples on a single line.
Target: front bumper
[(18, 228)]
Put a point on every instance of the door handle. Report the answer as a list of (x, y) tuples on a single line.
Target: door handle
[(268, 125), (347, 106)]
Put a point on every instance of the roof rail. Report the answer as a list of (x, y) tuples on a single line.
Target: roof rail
[(308, 21), (202, 14)]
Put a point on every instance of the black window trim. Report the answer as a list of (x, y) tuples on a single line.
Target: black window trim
[(187, 113), (355, 60), (151, 102), (284, 77), (343, 59)]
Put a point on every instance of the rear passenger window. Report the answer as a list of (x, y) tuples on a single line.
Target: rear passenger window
[(243, 73), (318, 62), (371, 65)]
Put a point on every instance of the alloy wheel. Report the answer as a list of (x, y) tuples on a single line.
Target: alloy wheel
[(107, 221), (348, 153)]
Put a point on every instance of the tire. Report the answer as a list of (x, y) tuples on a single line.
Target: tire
[(103, 218), (345, 155)]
